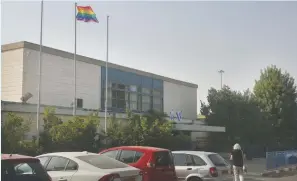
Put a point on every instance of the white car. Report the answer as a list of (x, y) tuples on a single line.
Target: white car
[(200, 166), (85, 166)]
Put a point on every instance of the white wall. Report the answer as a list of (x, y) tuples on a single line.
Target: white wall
[(180, 98), (12, 75), (57, 84)]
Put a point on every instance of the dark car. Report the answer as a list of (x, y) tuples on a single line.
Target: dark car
[(22, 168)]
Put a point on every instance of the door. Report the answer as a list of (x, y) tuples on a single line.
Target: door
[(61, 169), (164, 166), (184, 165), (200, 165), (131, 157)]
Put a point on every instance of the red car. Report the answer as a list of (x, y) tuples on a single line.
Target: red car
[(22, 168), (156, 163)]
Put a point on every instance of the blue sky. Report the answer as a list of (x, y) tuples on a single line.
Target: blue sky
[(188, 41)]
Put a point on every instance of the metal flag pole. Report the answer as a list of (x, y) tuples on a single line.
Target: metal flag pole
[(74, 59), (39, 73), (106, 75)]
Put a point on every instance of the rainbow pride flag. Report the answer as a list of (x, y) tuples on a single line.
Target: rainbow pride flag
[(86, 14)]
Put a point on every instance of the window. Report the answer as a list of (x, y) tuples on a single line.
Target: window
[(71, 165), (146, 107), (157, 107), (43, 160), (121, 95), (127, 156), (146, 99), (23, 171), (102, 162), (121, 86), (157, 93), (133, 88), (111, 154), (146, 91), (133, 97), (137, 156), (198, 161), (79, 103), (163, 158), (57, 164), (179, 159), (157, 100), (133, 106), (217, 160), (121, 104)]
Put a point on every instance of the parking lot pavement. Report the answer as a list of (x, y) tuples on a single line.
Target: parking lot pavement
[(258, 178)]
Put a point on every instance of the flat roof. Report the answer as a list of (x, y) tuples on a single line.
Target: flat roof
[(64, 54)]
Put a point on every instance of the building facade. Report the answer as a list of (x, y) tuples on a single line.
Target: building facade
[(127, 88)]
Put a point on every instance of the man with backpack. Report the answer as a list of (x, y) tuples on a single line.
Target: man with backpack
[(237, 158)]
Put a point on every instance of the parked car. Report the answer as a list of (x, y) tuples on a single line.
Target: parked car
[(198, 166), (22, 168), (156, 163), (85, 166)]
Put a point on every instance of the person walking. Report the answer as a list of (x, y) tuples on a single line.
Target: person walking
[(237, 158)]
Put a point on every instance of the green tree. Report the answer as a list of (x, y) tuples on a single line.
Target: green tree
[(150, 129), (13, 130), (79, 133), (235, 111), (275, 92)]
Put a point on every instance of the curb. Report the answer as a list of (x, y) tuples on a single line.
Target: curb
[(284, 171)]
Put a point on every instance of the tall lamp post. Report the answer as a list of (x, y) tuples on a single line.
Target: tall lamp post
[(221, 73)]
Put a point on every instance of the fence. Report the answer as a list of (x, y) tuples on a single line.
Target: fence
[(278, 159)]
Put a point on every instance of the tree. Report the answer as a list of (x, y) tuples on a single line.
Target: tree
[(275, 93), (13, 130), (78, 133), (150, 129), (235, 111)]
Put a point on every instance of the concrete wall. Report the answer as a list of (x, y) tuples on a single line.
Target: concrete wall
[(180, 98), (12, 75), (57, 86)]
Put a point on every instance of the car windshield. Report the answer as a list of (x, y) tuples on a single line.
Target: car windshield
[(22, 171), (102, 162), (217, 160)]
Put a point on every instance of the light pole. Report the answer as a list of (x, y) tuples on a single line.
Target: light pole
[(221, 73)]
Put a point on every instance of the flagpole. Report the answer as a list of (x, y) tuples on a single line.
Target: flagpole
[(39, 73), (106, 74), (74, 59)]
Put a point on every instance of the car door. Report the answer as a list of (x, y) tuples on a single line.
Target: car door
[(200, 165), (57, 168), (184, 165), (164, 166)]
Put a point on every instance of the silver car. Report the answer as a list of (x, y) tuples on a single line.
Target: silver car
[(200, 166)]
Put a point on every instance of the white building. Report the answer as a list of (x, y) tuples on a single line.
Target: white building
[(128, 88)]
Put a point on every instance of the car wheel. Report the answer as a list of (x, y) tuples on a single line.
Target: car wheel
[(194, 179)]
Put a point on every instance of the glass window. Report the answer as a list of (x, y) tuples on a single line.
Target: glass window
[(157, 107), (146, 99), (102, 162), (114, 94), (121, 95), (157, 93), (137, 156), (163, 158), (121, 104), (133, 88), (146, 91), (57, 164), (22, 171), (71, 165), (133, 106), (111, 154), (179, 159), (114, 103), (157, 100), (217, 160), (43, 160), (146, 107), (198, 161), (121, 86), (127, 156), (133, 97)]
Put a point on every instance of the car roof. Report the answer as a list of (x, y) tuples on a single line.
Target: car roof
[(68, 154), (139, 148), (195, 152), (16, 157)]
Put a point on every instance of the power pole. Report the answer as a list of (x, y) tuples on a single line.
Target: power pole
[(221, 73)]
